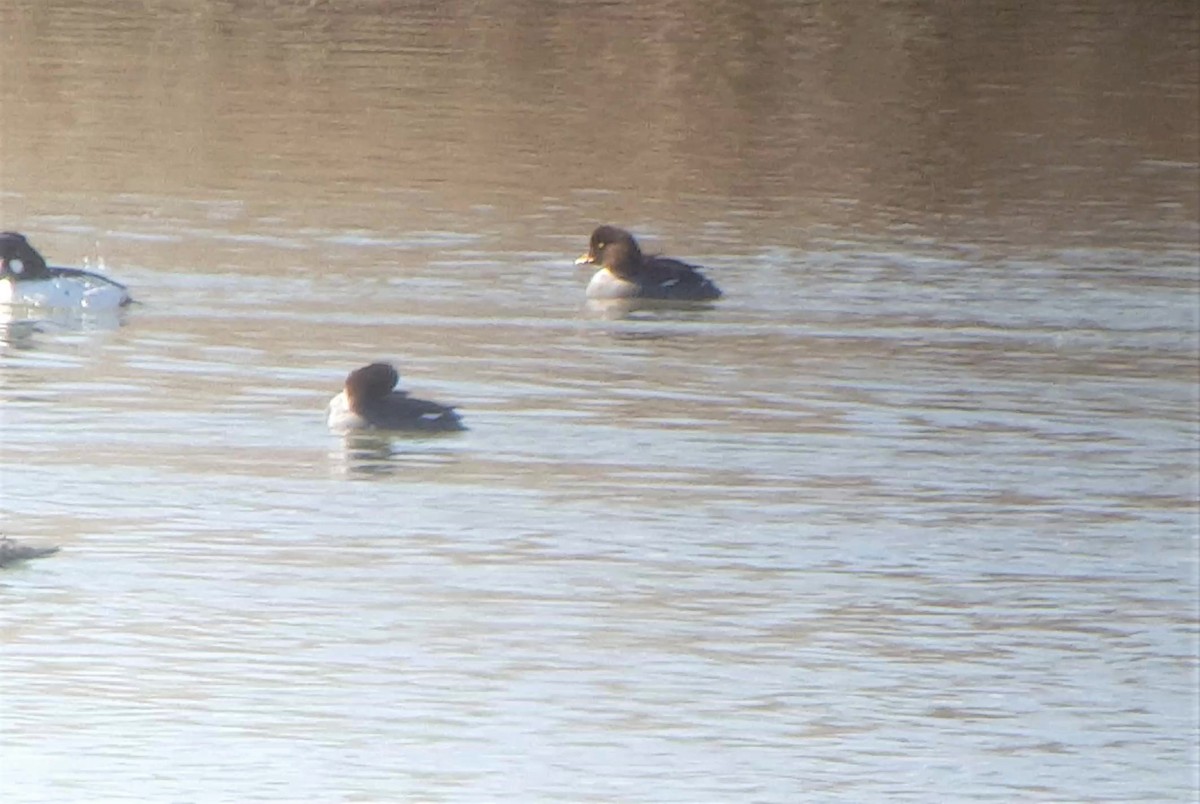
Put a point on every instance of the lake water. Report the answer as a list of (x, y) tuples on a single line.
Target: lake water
[(909, 515)]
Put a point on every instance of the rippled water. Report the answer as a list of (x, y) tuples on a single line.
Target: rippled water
[(910, 514)]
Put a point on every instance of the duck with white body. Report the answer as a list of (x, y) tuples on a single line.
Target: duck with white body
[(26, 279)]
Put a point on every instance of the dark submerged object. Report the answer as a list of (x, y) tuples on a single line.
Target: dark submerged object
[(627, 273), (370, 401), (11, 552), (21, 262)]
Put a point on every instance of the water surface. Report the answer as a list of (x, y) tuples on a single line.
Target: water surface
[(910, 514)]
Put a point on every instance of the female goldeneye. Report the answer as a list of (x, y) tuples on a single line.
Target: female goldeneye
[(11, 552), (626, 274), (369, 402), (26, 279)]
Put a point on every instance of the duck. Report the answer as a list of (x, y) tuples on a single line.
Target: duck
[(625, 273), (25, 278), (369, 401), (12, 551)]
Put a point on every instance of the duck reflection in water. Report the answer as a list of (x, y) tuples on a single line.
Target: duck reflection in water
[(374, 454)]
